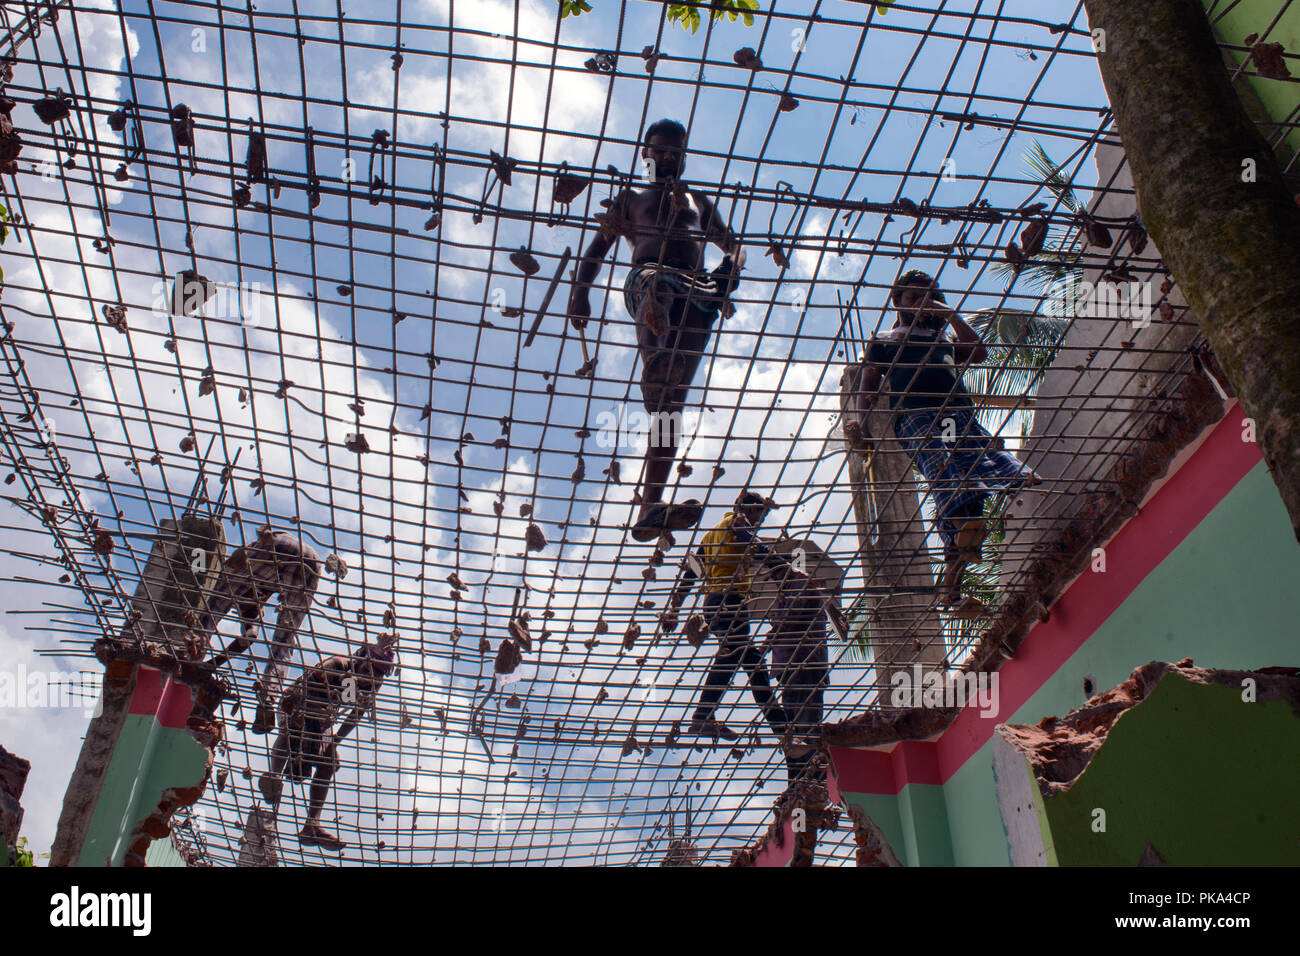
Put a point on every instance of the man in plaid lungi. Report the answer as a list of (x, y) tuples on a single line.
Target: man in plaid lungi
[(276, 563), (934, 420), (672, 298)]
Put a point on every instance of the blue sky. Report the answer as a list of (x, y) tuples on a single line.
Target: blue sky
[(769, 389)]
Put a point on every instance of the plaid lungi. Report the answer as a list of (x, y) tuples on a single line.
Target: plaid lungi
[(960, 462), (672, 285)]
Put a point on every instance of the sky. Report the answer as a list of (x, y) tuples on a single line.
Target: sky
[(385, 327)]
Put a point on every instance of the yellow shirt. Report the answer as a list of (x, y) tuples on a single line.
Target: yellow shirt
[(727, 561)]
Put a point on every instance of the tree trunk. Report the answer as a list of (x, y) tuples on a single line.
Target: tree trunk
[(903, 625), (1214, 199)]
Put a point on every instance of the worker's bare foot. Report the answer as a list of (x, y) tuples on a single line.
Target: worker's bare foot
[(711, 728), (314, 835), (657, 519), (966, 607), (264, 720), (272, 788)]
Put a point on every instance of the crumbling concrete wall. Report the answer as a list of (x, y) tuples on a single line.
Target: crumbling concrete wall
[(1179, 764), (1104, 387), (903, 623), (99, 822)]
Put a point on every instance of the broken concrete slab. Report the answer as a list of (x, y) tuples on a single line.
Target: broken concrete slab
[(1179, 765)]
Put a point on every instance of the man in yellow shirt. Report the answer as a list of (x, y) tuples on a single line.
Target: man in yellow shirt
[(725, 562)]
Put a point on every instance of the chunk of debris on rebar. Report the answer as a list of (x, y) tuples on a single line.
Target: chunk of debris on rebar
[(53, 108), (190, 292), (523, 261), (518, 628), (336, 566), (115, 316), (568, 186), (697, 629), (630, 635), (630, 745), (508, 658), (747, 57), (534, 540)]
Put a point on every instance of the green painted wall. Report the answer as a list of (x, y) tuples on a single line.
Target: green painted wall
[(1227, 597), (1279, 98), (148, 759), (1205, 778)]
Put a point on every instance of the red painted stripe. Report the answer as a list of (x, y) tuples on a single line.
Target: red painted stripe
[(162, 698), (774, 855), (1139, 547)]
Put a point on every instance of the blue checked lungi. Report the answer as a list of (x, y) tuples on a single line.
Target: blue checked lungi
[(963, 471)]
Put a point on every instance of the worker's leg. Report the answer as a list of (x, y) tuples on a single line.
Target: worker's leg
[(760, 687), (297, 573), (326, 764), (271, 783), (726, 618), (668, 366)]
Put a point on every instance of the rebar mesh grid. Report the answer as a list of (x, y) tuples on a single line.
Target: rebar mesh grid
[(365, 289)]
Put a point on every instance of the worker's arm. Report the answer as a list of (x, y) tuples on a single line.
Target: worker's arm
[(768, 556), (869, 382), (691, 570), (588, 268), (350, 723), (717, 231), (969, 346)]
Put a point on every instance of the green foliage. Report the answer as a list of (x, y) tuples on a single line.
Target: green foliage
[(1059, 262), (23, 856), (687, 14)]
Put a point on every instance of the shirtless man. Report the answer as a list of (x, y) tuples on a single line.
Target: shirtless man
[(672, 299), (308, 744)]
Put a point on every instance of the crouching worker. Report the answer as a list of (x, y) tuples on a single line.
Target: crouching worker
[(276, 563), (725, 561), (934, 420), (307, 745)]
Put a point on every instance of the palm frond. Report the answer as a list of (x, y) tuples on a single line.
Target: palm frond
[(1053, 177)]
